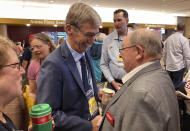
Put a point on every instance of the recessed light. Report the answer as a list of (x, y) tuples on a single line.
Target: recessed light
[(28, 25), (55, 25), (51, 1), (101, 26)]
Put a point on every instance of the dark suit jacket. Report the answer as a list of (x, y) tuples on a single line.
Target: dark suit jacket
[(60, 85), (146, 102)]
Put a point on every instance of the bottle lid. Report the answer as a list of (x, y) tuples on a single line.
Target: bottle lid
[(40, 110)]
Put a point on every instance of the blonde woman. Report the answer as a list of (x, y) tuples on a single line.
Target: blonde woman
[(41, 46)]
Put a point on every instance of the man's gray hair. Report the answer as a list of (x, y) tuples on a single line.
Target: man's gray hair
[(80, 13), (148, 39)]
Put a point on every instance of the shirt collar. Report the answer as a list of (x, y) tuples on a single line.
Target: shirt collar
[(179, 33), (117, 37), (77, 56), (134, 71)]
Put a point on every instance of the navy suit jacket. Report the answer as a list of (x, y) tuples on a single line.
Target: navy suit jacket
[(60, 85)]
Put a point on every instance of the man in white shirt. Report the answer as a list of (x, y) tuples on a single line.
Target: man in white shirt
[(109, 64), (177, 55)]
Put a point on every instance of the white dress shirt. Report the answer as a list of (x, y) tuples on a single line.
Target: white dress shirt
[(176, 52)]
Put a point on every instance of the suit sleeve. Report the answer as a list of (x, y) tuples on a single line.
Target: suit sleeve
[(142, 114), (164, 53), (49, 90)]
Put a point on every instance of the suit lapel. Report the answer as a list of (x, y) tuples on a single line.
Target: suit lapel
[(69, 60), (151, 67), (116, 96)]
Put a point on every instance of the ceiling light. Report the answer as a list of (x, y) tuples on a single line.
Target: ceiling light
[(55, 25), (101, 26), (28, 25), (51, 1)]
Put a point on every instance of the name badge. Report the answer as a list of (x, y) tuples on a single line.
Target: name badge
[(93, 106), (110, 118)]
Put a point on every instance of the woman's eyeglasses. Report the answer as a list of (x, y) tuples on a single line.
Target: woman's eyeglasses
[(36, 46), (14, 65)]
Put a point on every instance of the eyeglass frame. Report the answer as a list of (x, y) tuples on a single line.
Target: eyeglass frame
[(120, 50), (17, 65), (36, 46), (85, 34)]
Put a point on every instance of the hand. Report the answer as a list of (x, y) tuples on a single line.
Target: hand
[(187, 88), (100, 93), (96, 122), (187, 101), (116, 85), (179, 98), (53, 124), (30, 128)]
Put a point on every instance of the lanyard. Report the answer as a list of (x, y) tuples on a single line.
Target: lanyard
[(118, 39)]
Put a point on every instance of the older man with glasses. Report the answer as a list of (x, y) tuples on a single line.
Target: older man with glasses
[(147, 100)]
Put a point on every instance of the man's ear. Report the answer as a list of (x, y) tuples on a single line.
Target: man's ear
[(127, 20), (68, 29), (49, 44), (140, 52)]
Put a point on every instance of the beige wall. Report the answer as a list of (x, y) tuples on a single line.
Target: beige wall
[(3, 30), (187, 27)]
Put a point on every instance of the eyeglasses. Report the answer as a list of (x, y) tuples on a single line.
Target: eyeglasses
[(120, 50), (14, 65), (36, 46), (88, 34)]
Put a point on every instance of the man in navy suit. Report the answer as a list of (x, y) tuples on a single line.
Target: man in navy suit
[(66, 84)]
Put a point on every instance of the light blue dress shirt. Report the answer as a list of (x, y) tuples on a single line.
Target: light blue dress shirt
[(109, 60), (176, 53), (77, 58)]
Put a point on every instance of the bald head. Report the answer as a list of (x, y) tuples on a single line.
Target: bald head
[(148, 39)]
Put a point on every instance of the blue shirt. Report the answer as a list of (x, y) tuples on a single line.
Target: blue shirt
[(109, 60), (96, 60)]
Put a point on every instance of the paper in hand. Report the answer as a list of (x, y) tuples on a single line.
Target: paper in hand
[(182, 95)]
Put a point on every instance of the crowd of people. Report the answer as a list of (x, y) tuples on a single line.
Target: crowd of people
[(67, 77)]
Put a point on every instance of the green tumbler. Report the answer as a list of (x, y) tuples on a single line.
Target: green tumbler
[(40, 115)]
